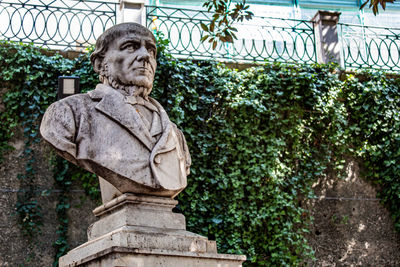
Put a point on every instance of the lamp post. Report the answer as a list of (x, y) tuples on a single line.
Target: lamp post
[(67, 86)]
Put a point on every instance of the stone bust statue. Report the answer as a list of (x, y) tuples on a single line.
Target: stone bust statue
[(117, 131)]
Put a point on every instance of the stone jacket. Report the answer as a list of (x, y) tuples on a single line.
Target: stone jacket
[(104, 134)]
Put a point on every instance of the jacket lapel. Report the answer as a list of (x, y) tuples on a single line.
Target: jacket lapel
[(156, 126), (113, 105), (162, 145)]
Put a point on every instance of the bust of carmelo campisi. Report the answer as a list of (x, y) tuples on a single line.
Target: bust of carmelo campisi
[(117, 131)]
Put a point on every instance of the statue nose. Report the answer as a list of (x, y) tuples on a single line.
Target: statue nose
[(143, 54)]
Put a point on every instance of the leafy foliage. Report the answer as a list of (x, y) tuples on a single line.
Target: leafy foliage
[(62, 182), (258, 138), (373, 109), (221, 26), (30, 77), (375, 4)]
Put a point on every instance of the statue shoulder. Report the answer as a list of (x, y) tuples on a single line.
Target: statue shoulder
[(66, 111), (74, 102), (60, 123)]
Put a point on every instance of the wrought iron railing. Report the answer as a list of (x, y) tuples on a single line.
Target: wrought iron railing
[(260, 39), (56, 24), (370, 47), (73, 24)]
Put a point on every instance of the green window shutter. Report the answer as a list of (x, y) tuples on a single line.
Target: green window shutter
[(329, 4)]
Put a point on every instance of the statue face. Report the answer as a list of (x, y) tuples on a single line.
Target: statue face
[(131, 60)]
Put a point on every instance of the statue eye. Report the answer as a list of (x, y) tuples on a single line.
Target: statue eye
[(152, 51), (131, 46)]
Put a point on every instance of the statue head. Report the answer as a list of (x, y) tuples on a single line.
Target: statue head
[(125, 58)]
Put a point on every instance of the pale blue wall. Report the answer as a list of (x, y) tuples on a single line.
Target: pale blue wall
[(306, 9)]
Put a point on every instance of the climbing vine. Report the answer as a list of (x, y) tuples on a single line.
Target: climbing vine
[(258, 138), (373, 108), (30, 77)]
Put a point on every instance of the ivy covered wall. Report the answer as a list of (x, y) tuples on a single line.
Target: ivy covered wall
[(259, 139)]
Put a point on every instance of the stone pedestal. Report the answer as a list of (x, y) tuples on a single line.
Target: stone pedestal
[(135, 230), (133, 11), (326, 36)]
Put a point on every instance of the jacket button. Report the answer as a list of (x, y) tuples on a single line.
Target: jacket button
[(157, 159)]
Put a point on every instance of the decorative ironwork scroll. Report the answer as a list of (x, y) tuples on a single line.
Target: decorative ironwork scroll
[(370, 47), (56, 24), (260, 39)]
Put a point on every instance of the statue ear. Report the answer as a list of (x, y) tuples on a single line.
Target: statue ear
[(98, 64)]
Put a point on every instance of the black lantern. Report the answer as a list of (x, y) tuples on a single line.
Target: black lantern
[(67, 85)]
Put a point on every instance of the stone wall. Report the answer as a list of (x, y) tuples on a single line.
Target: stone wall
[(351, 227), (18, 250)]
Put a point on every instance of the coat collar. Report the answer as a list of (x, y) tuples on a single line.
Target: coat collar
[(112, 104)]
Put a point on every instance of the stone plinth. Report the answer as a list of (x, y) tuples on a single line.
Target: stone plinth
[(143, 231), (326, 36)]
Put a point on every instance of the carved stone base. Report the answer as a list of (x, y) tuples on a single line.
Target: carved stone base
[(143, 231)]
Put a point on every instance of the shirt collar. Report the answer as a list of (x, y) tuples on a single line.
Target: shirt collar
[(138, 100)]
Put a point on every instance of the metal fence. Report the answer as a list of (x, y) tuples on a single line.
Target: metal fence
[(370, 47), (56, 24), (73, 24), (260, 39)]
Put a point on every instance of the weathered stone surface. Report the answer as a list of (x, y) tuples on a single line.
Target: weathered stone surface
[(117, 131), (130, 210), (108, 191), (143, 231), (122, 257), (351, 227), (326, 36), (17, 249)]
